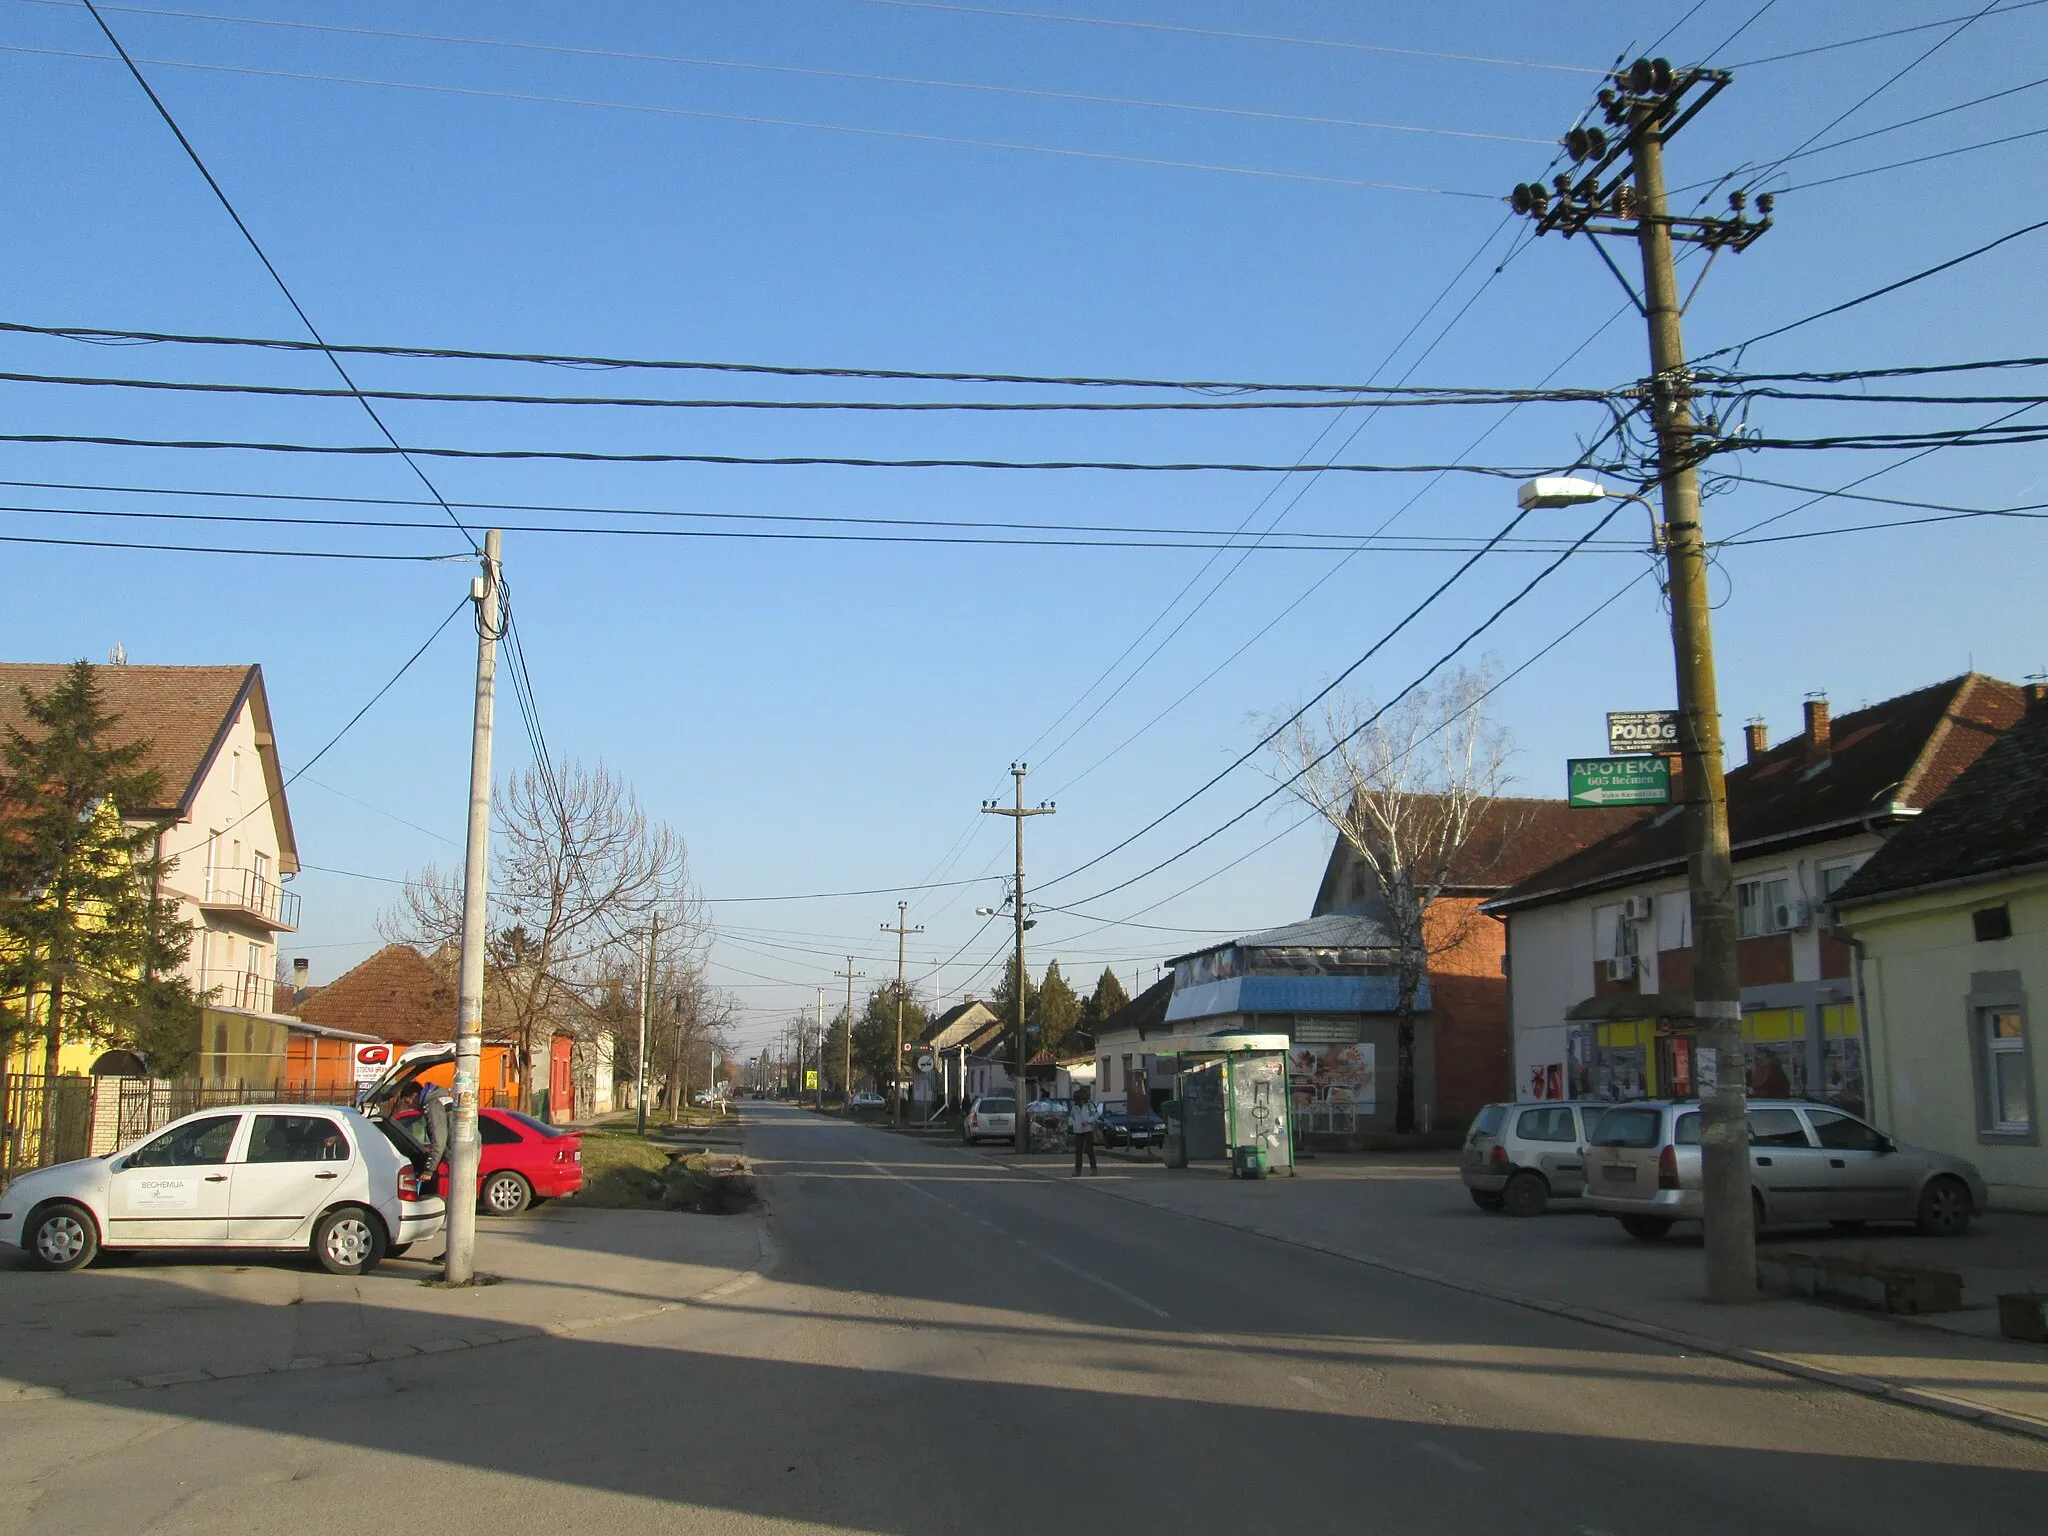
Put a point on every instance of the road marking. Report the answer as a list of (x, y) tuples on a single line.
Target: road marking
[(1317, 1388), (1448, 1456)]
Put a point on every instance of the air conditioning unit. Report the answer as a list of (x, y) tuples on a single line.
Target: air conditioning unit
[(1636, 909), (1793, 915), (1621, 968)]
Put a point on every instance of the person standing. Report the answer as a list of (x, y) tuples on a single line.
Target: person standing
[(1082, 1119)]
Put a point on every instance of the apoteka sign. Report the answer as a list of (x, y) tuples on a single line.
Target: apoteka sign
[(1642, 730)]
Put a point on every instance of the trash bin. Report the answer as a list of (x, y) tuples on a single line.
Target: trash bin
[(1248, 1162)]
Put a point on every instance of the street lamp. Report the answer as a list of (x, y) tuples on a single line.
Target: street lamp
[(1719, 1071)]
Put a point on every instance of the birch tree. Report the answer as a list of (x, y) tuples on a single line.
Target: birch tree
[(1408, 789)]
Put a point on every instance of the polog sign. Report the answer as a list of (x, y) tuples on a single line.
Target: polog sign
[(1642, 730)]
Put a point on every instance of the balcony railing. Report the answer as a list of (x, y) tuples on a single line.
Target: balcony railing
[(247, 893), (248, 989)]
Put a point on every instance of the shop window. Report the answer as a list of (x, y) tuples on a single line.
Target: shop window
[(2008, 1090), (1990, 923)]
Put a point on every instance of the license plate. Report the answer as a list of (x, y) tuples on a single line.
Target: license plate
[(1621, 1173)]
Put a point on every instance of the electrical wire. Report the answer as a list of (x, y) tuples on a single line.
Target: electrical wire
[(808, 72), (1153, 162), (277, 277), (225, 549), (591, 456), (1876, 37), (1896, 165)]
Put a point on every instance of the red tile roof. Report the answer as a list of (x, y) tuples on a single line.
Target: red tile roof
[(1903, 752), (397, 994)]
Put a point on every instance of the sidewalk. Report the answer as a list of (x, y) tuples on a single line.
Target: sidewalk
[(136, 1321), (1409, 1214)]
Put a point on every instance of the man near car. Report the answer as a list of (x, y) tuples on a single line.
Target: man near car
[(437, 1119), (1082, 1119)]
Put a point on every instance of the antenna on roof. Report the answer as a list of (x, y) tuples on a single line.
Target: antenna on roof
[(117, 655)]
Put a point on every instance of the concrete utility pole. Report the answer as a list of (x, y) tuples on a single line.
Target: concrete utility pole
[(900, 1111), (1647, 104), (1018, 812), (646, 1002), (458, 1265), (821, 1048), (851, 976)]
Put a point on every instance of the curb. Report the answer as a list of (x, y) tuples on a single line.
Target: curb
[(1922, 1398), (485, 1336)]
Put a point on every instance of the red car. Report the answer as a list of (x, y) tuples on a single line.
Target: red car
[(525, 1161)]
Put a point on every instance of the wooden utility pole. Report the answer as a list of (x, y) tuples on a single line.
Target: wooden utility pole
[(646, 1002), (1018, 812), (1622, 193), (899, 1110), (851, 976), (458, 1263)]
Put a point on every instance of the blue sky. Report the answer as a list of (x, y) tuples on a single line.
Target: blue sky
[(828, 716)]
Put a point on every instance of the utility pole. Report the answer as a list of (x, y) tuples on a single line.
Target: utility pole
[(458, 1264), (646, 1002), (1622, 193), (821, 1048), (902, 910), (851, 976), (1018, 812)]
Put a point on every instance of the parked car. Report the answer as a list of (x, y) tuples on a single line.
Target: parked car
[(281, 1176), (1520, 1157), (523, 1160), (1809, 1163), (989, 1118), (867, 1098), (1124, 1127)]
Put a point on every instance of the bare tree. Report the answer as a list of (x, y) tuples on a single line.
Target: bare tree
[(1409, 789), (579, 873)]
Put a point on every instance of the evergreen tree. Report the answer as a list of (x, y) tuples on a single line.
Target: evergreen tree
[(85, 944), (1108, 996), (874, 1033), (1056, 1013), (1003, 1001)]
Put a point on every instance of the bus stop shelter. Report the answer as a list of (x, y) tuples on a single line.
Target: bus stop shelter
[(1232, 1103)]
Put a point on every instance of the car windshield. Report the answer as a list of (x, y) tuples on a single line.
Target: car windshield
[(1489, 1119), (996, 1107), (1629, 1128)]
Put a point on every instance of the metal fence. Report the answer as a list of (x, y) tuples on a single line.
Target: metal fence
[(45, 1120)]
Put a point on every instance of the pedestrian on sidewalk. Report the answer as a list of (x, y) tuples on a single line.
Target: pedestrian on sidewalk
[(1082, 1118)]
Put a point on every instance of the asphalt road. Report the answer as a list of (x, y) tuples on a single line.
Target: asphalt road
[(949, 1345)]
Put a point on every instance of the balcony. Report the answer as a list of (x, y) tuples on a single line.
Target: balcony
[(244, 893), (250, 992)]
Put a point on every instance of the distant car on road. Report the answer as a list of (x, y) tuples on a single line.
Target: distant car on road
[(988, 1118), (523, 1160), (1124, 1127), (1809, 1163), (867, 1098), (1519, 1157), (281, 1176)]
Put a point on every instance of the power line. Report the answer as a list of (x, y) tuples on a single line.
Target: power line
[(225, 549), (774, 370), (810, 72), (1896, 165), (374, 450), (1875, 37), (275, 276), (1155, 162)]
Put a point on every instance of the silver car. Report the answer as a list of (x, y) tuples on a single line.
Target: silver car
[(1518, 1157), (1809, 1163)]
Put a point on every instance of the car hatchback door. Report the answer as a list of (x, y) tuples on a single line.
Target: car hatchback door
[(173, 1189), (295, 1166)]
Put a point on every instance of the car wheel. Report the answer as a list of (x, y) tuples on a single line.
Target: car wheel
[(348, 1241), (505, 1194), (1525, 1195), (1945, 1208), (1484, 1199), (1649, 1228), (61, 1237)]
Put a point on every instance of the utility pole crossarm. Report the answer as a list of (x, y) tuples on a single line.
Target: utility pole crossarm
[(902, 932)]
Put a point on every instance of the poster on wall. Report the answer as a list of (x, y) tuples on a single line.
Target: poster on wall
[(371, 1060), (1332, 1085)]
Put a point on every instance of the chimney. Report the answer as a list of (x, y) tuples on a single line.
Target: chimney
[(2036, 690), (1758, 736), (302, 974), (1819, 734)]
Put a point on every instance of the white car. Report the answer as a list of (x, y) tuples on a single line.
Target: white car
[(990, 1117), (252, 1176)]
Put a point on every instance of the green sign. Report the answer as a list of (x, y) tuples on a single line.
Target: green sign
[(1598, 781)]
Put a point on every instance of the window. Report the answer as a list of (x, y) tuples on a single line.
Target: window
[(1592, 1119), (1630, 1128), (1757, 905), (2005, 1070), (1489, 1120), (260, 863), (1776, 1128), (1843, 1133), (1990, 923), (1687, 1132), (1833, 877), (254, 960), (1546, 1125), (297, 1139), (195, 1144), (235, 771)]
